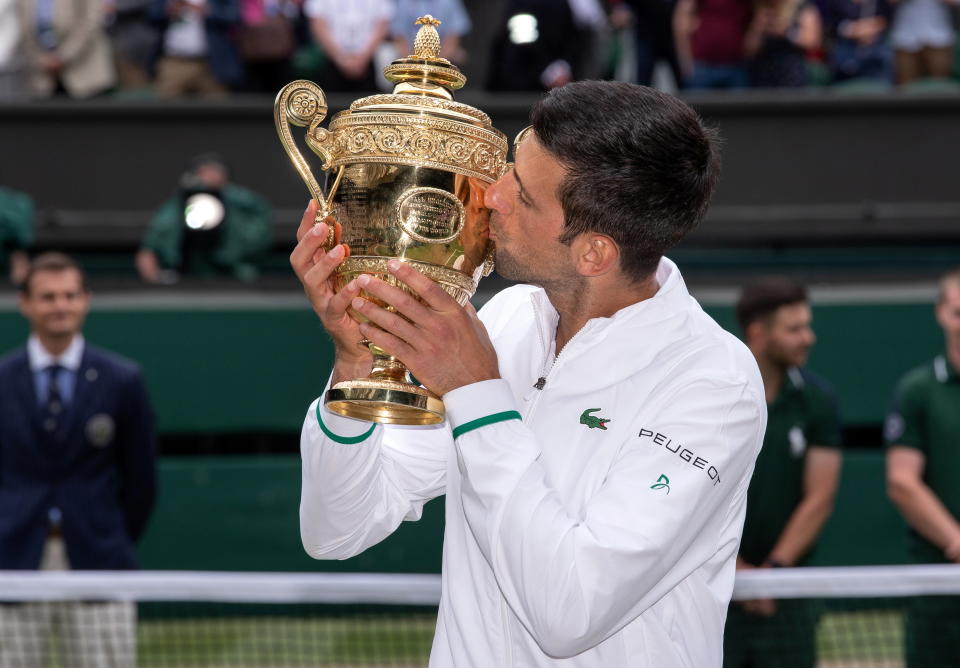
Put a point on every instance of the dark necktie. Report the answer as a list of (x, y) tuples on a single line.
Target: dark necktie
[(53, 409)]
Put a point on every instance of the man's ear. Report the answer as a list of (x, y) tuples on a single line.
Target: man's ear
[(756, 333), (595, 254)]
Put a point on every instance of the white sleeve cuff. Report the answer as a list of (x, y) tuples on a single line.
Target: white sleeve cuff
[(480, 403), (342, 429), (337, 427)]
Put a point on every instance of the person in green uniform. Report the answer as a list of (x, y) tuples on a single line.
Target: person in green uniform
[(17, 213), (795, 479), (922, 433), (211, 227)]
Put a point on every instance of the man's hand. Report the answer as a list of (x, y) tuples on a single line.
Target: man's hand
[(50, 62), (353, 65), (315, 267), (443, 344), (763, 607), (952, 551)]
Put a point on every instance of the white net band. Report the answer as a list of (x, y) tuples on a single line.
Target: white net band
[(416, 589), (221, 587)]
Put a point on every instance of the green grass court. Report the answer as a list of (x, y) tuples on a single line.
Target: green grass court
[(344, 642), (860, 639)]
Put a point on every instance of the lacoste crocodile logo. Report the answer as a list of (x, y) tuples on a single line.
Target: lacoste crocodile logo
[(592, 421)]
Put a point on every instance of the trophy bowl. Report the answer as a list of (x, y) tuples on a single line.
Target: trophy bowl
[(406, 175)]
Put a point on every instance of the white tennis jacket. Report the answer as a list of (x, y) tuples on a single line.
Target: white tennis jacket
[(593, 522)]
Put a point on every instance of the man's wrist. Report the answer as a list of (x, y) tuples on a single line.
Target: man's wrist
[(350, 369), (952, 551), (479, 404)]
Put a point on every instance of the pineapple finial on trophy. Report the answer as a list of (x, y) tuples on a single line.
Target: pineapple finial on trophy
[(425, 72), (427, 42)]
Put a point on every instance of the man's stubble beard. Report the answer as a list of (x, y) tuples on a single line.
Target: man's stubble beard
[(508, 267), (784, 360)]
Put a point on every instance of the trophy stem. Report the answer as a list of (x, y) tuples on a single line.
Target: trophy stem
[(387, 395), (387, 367)]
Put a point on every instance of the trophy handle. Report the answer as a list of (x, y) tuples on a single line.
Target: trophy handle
[(303, 103)]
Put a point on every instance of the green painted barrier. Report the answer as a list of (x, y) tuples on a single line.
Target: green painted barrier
[(256, 363), (215, 370), (241, 513)]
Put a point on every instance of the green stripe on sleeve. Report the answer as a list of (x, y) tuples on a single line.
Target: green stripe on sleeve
[(348, 440), (484, 421)]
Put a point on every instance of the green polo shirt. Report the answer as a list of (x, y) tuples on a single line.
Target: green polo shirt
[(247, 236), (17, 214), (926, 415), (803, 414)]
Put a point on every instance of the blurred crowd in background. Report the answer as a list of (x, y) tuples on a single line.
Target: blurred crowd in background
[(173, 48)]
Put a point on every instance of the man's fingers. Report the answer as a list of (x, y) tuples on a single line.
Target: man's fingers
[(431, 293), (320, 272), (391, 322), (337, 234), (340, 302), (308, 219), (386, 341), (401, 300), (309, 250)]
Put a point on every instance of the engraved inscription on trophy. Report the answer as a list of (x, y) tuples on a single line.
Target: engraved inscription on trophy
[(430, 215)]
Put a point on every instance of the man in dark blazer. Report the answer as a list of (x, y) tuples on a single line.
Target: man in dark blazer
[(77, 467)]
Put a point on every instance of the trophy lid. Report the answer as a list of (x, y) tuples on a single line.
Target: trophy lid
[(420, 123), (424, 81), (425, 72)]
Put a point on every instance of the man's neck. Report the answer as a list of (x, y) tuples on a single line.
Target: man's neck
[(55, 345), (773, 376), (578, 304)]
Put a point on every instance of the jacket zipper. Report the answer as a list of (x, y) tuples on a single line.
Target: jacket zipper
[(548, 367)]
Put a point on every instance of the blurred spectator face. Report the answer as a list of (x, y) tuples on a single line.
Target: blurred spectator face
[(55, 303), (788, 336), (211, 175), (948, 312)]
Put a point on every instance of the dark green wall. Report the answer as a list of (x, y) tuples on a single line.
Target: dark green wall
[(240, 513), (235, 370), (240, 369), (215, 371)]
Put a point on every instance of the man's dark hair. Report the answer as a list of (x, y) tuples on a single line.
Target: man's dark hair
[(52, 261), (641, 167), (760, 299)]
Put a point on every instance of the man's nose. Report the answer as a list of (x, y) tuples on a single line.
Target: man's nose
[(494, 197)]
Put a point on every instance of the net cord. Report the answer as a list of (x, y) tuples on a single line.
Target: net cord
[(424, 589)]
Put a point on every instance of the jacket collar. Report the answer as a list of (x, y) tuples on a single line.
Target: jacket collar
[(671, 297), (943, 370)]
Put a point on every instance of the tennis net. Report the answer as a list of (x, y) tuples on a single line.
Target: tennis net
[(863, 617)]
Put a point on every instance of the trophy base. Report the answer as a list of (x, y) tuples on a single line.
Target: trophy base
[(385, 401)]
